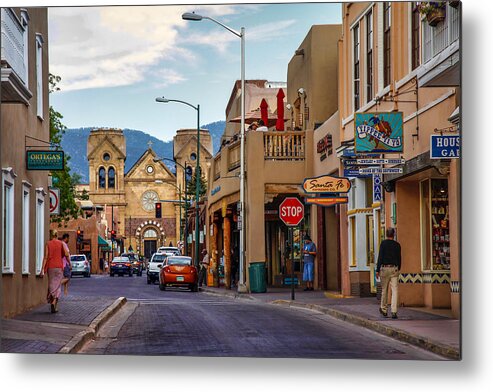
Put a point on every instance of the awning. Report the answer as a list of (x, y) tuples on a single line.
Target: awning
[(103, 244), (86, 205)]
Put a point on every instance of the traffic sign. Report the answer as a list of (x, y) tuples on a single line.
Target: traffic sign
[(54, 201), (291, 211)]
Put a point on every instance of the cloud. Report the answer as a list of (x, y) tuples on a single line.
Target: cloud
[(167, 77), (97, 47)]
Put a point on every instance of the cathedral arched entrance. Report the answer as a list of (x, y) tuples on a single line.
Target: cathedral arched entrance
[(150, 235)]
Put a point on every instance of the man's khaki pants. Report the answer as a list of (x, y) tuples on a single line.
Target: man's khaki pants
[(389, 275)]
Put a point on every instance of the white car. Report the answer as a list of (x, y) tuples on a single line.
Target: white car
[(155, 265), (80, 265), (169, 250)]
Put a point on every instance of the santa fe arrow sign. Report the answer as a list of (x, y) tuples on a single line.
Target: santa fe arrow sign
[(326, 201)]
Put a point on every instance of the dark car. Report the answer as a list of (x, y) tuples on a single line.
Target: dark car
[(121, 266), (136, 263)]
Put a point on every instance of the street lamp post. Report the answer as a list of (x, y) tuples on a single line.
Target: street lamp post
[(197, 172), (184, 168), (195, 17)]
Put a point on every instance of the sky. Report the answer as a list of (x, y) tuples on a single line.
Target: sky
[(115, 60)]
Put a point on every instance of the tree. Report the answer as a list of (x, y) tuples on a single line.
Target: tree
[(192, 182), (62, 179)]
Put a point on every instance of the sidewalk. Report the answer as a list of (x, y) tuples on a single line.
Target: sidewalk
[(432, 330), (39, 331)]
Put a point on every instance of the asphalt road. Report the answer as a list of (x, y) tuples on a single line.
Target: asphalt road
[(181, 323)]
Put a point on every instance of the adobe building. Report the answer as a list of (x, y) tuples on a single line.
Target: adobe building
[(392, 60), (128, 198), (24, 126)]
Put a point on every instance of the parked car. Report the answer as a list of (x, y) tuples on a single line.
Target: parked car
[(136, 263), (80, 265), (169, 250), (154, 266), (121, 266), (178, 271)]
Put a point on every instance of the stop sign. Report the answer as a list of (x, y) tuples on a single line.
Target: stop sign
[(291, 211)]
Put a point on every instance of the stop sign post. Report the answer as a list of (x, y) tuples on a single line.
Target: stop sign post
[(291, 212)]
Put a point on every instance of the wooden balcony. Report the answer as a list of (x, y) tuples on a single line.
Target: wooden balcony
[(284, 145)]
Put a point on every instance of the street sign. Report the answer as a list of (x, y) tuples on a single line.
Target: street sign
[(445, 146), (377, 187), (379, 170), (355, 162), (54, 201), (326, 184), (291, 211), (45, 160), (354, 173), (326, 201)]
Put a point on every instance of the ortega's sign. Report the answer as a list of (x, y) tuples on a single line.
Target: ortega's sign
[(45, 160), (444, 146), (326, 184), (378, 132)]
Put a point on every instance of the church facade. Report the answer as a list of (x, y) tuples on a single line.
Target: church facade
[(129, 197)]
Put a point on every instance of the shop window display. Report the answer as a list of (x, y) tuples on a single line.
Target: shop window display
[(435, 225)]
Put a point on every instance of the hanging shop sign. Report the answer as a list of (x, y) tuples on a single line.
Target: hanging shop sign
[(445, 146), (357, 162), (326, 201), (326, 184), (377, 187), (380, 170), (45, 160), (324, 146), (378, 132)]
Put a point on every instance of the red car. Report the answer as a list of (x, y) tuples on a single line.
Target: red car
[(178, 271)]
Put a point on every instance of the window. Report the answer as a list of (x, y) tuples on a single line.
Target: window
[(106, 157), (415, 45), (369, 56), (40, 228), (102, 178), (387, 16), (8, 177), (150, 233), (25, 229), (356, 76), (39, 74), (111, 177)]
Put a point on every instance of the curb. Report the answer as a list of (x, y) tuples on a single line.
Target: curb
[(415, 340), (230, 294), (81, 338)]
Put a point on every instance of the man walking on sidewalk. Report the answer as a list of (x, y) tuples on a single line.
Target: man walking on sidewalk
[(389, 262), (204, 264)]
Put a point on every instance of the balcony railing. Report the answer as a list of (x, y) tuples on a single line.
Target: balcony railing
[(234, 156), (436, 39), (13, 43), (284, 145)]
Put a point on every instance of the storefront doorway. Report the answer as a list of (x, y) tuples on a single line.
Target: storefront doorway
[(150, 243)]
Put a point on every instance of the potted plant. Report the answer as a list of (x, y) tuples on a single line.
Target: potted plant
[(434, 11)]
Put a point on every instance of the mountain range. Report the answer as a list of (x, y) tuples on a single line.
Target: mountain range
[(74, 143)]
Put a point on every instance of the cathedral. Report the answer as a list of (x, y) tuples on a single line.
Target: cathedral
[(128, 197)]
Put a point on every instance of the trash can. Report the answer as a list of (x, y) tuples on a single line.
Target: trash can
[(256, 273)]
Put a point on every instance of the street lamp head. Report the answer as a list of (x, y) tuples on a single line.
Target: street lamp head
[(191, 16), (162, 99)]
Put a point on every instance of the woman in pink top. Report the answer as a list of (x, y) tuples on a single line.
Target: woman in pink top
[(53, 265)]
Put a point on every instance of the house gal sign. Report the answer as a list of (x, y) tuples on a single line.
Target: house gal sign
[(378, 132)]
